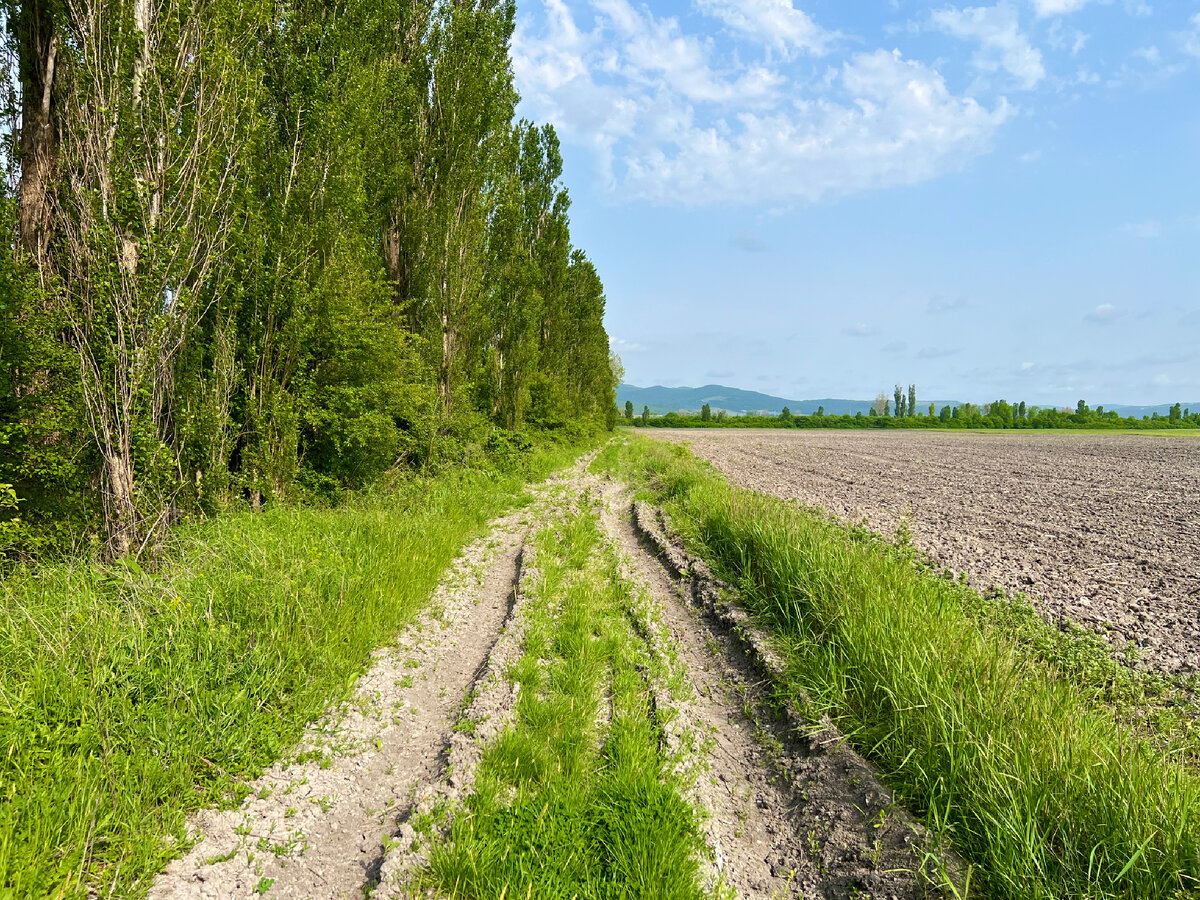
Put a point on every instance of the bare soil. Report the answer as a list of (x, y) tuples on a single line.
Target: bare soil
[(315, 826), (1103, 530), (791, 810)]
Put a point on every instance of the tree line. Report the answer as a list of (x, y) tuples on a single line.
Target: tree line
[(905, 414), (268, 249)]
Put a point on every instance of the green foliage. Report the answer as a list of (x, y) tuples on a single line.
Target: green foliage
[(134, 696), (345, 257)]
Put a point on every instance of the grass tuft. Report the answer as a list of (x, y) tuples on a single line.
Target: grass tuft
[(570, 803)]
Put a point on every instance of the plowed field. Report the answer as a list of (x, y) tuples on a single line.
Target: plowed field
[(1101, 529)]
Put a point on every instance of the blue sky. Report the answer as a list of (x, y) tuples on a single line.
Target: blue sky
[(816, 198)]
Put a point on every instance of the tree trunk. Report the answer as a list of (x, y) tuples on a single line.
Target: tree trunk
[(38, 46), (120, 513)]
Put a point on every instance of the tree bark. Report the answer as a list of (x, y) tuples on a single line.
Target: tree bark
[(38, 53)]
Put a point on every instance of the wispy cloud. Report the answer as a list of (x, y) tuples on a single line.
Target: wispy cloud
[(861, 330), (939, 305), (623, 346), (1147, 230), (1002, 44)]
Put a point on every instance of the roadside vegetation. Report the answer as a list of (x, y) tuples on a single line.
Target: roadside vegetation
[(131, 695), (1054, 770), (576, 798)]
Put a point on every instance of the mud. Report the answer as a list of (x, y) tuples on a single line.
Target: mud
[(1103, 530)]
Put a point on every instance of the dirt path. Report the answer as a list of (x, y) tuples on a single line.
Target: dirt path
[(1101, 529), (316, 828), (787, 816)]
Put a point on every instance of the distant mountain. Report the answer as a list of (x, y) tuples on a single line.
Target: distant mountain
[(739, 402), (1163, 409)]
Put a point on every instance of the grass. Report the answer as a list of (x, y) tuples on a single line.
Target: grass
[(130, 697), (571, 801), (1024, 749)]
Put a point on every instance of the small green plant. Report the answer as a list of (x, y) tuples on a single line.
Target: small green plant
[(264, 884)]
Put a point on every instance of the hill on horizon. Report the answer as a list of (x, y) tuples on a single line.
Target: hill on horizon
[(737, 401)]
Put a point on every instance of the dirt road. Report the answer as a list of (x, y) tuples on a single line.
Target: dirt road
[(1101, 529), (784, 816)]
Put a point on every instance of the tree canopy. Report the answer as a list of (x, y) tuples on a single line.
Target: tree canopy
[(272, 249)]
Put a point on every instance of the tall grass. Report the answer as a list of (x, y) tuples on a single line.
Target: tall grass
[(1034, 780), (129, 697), (570, 805)]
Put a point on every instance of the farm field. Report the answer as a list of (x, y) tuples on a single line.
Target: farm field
[(1101, 529)]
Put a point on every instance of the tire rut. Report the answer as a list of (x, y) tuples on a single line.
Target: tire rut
[(792, 811), (315, 826)]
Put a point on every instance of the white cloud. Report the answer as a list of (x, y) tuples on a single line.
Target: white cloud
[(1046, 8), (772, 23), (1103, 313), (1191, 39), (860, 330), (671, 120), (624, 346), (1002, 44)]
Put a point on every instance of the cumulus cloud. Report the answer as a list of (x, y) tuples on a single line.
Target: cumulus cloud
[(1102, 314), (1045, 8), (1190, 40), (771, 23), (670, 119), (1002, 44)]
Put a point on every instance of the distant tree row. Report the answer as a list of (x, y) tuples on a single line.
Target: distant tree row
[(997, 415)]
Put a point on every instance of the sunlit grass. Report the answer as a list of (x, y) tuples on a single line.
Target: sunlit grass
[(130, 697), (570, 803), (1015, 752)]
